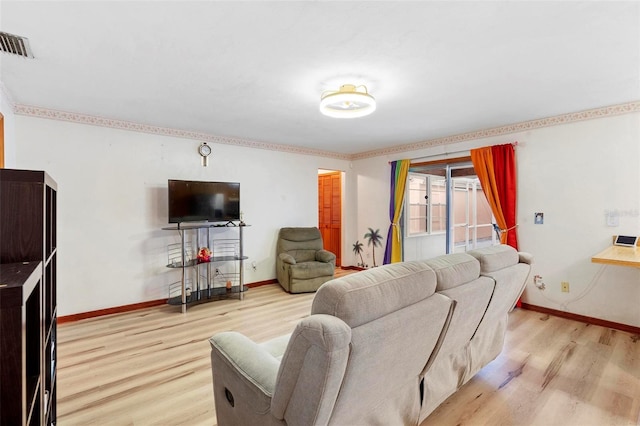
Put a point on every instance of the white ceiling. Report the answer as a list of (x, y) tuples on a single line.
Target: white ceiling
[(255, 70)]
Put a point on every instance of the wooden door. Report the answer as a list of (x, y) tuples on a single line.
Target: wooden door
[(330, 212)]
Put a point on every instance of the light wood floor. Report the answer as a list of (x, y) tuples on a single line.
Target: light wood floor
[(151, 367)]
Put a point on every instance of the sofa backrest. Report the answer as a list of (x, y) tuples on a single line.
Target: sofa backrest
[(361, 298), (301, 243), (458, 277), (396, 320), (510, 270)]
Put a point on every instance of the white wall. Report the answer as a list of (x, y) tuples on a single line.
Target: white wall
[(573, 173), (372, 179), (112, 204)]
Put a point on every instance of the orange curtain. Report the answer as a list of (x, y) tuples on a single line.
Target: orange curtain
[(495, 168), (504, 167)]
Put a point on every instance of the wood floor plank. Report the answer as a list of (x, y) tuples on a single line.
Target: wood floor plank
[(568, 374), (152, 367)]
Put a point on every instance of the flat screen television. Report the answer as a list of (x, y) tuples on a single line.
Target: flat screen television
[(196, 201)]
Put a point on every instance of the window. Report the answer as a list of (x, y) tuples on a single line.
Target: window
[(445, 204), (427, 204), (472, 218)]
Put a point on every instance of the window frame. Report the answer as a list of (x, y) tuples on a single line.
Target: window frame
[(430, 181)]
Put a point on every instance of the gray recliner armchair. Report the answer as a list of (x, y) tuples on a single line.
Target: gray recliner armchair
[(302, 265)]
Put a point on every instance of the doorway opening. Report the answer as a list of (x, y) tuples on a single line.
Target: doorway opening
[(330, 211)]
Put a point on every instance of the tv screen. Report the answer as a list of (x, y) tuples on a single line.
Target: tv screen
[(194, 201)]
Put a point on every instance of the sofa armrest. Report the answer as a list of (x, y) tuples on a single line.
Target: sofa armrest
[(244, 378), (325, 256), (251, 362), (287, 258), (525, 257)]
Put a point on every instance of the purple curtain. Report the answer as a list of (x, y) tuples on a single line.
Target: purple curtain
[(387, 250)]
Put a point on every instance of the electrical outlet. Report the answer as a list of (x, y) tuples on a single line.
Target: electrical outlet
[(564, 286)]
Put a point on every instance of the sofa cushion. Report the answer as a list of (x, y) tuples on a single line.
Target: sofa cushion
[(303, 255), (325, 256), (307, 270), (300, 234), (287, 258), (495, 258), (295, 239), (453, 270), (525, 257), (360, 298)]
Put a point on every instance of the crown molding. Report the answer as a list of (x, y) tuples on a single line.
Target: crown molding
[(505, 130), (591, 114), (33, 111)]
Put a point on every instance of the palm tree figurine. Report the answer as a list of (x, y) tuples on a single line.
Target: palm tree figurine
[(357, 249), (374, 239)]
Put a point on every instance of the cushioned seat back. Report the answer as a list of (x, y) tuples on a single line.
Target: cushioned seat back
[(301, 243), (502, 264), (368, 295), (396, 320), (458, 277)]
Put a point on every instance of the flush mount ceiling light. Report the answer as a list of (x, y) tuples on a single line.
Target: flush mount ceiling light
[(348, 102)]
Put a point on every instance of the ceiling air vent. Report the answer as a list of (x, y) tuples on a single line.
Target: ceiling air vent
[(15, 45)]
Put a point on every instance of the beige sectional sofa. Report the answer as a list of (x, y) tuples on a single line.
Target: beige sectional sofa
[(383, 346)]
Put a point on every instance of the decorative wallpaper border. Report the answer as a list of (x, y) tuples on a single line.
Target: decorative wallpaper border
[(479, 134), (510, 128), (92, 120)]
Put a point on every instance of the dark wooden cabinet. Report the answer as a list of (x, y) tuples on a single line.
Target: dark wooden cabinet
[(20, 343), (28, 307)]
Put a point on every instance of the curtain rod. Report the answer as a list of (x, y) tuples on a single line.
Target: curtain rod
[(441, 161), (463, 154)]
